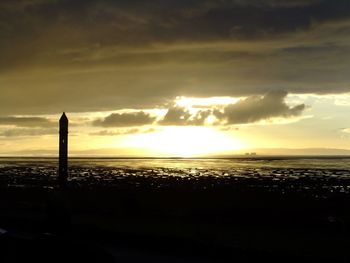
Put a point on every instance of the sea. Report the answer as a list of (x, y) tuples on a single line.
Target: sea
[(298, 162), (316, 174)]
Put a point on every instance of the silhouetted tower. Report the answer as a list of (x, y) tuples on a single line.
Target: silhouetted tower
[(63, 149)]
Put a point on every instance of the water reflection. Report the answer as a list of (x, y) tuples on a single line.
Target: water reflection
[(321, 178)]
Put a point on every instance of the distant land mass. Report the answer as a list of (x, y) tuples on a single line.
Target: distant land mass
[(291, 151), (254, 152), (306, 151)]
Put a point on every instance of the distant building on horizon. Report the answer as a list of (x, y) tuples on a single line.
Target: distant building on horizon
[(251, 154)]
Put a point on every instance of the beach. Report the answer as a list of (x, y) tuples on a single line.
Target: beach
[(275, 209)]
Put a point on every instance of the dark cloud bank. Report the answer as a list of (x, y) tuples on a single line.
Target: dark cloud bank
[(84, 55), (140, 22)]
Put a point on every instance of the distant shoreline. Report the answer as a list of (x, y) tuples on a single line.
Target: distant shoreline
[(236, 157)]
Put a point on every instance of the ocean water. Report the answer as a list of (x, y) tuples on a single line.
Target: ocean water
[(307, 162)]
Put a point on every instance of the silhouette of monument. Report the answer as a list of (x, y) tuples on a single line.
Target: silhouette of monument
[(63, 151)]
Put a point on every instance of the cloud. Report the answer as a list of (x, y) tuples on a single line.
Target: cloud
[(121, 132), (27, 121), (114, 133), (132, 54), (18, 132), (125, 119), (133, 23), (256, 108), (249, 110), (177, 115), (345, 130)]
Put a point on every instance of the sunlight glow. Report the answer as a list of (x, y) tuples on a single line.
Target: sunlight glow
[(186, 141), (211, 101)]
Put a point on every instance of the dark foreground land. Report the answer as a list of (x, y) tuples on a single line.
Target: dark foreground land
[(164, 215)]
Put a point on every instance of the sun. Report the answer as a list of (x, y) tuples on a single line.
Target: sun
[(186, 141)]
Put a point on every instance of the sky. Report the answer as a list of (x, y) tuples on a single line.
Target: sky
[(175, 78)]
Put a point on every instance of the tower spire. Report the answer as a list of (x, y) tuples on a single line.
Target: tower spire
[(63, 151)]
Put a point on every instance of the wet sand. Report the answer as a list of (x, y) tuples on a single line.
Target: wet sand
[(279, 213), (318, 183)]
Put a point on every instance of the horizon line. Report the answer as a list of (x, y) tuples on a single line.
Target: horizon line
[(236, 156)]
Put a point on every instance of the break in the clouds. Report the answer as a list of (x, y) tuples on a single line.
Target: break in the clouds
[(26, 121), (125, 119), (107, 55)]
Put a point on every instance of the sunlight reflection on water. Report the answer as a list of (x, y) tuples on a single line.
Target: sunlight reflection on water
[(317, 177)]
